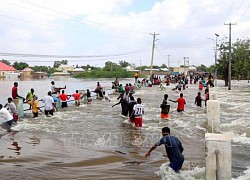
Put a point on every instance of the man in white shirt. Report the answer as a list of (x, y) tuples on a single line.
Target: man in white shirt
[(138, 111), (12, 109), (6, 119), (48, 104)]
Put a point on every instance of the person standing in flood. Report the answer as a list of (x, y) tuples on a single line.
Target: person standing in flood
[(124, 105), (12, 108), (173, 148), (165, 108), (138, 111), (198, 99), (130, 109), (49, 104), (15, 95), (6, 117), (64, 97), (77, 97), (136, 77), (35, 106), (29, 97), (181, 103)]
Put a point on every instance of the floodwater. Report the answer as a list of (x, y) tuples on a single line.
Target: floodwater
[(92, 142)]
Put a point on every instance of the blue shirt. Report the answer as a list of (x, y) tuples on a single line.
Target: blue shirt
[(173, 148)]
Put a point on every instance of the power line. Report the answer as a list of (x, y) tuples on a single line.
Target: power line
[(243, 12), (236, 12), (229, 10), (76, 19), (67, 56)]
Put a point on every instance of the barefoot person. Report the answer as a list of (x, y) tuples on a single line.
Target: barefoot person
[(173, 148)]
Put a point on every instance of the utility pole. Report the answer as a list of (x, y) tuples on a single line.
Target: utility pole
[(140, 66), (186, 64), (230, 55), (168, 62), (152, 57), (215, 55)]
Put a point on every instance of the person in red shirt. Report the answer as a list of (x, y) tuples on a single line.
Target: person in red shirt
[(77, 97), (64, 98), (200, 86), (15, 95), (181, 103)]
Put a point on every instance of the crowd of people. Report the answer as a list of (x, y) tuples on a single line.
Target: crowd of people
[(130, 107)]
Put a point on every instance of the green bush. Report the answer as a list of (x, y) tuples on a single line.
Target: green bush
[(105, 74)]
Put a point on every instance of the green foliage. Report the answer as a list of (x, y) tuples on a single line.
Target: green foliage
[(105, 74), (163, 66), (156, 67), (142, 68), (91, 67), (46, 69), (240, 60), (110, 66), (123, 64), (20, 65), (5, 62), (58, 63), (202, 68)]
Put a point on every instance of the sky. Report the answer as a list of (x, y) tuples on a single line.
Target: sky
[(96, 31)]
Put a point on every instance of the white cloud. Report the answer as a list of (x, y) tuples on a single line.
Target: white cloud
[(108, 27)]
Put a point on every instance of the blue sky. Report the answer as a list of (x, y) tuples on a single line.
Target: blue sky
[(114, 30)]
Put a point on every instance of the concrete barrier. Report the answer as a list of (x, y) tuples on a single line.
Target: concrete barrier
[(213, 115), (218, 156)]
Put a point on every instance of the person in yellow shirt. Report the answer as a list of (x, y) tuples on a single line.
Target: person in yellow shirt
[(35, 106), (136, 77), (29, 97)]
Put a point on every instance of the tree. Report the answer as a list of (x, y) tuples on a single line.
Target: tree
[(5, 62), (163, 66), (240, 60), (110, 66), (58, 63), (20, 65), (64, 62), (123, 64), (202, 68)]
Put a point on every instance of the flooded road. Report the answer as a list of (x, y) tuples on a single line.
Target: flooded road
[(92, 142)]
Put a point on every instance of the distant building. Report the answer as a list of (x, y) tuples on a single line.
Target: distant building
[(65, 68), (27, 72), (39, 75), (152, 69), (77, 71), (6, 69), (129, 68)]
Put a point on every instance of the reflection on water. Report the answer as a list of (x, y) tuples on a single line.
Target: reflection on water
[(92, 142), (16, 148)]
